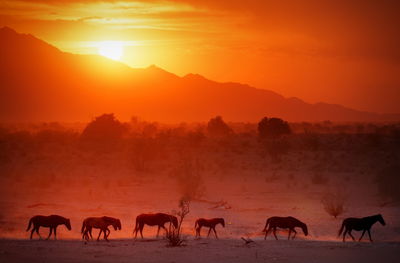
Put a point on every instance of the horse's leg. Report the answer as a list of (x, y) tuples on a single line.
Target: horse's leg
[(51, 231), (158, 231), (362, 235), (290, 231), (166, 231), (351, 235), (141, 230), (344, 235), (295, 232), (85, 234), (266, 232), (105, 235), (90, 233), (33, 230), (274, 231), (198, 230), (55, 233), (369, 234), (215, 232), (37, 232), (98, 237), (209, 231)]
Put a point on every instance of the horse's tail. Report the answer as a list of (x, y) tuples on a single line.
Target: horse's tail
[(341, 229), (29, 225), (196, 223), (266, 225)]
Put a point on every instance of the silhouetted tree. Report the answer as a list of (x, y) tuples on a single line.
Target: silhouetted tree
[(104, 131), (216, 127), (273, 128)]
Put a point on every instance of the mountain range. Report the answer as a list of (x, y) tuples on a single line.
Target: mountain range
[(41, 83)]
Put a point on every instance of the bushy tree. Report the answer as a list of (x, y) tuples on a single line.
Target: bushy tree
[(104, 131), (273, 128), (216, 127)]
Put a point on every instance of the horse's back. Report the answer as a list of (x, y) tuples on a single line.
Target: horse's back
[(209, 222), (352, 220), (283, 222), (95, 222), (354, 223), (46, 221), (202, 222), (152, 219)]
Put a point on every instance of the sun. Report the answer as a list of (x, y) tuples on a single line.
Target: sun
[(111, 49)]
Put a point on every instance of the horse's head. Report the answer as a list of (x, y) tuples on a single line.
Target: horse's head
[(221, 221), (380, 219), (68, 224), (116, 224), (174, 221), (305, 229)]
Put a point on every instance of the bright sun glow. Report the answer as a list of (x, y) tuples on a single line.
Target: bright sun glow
[(111, 49)]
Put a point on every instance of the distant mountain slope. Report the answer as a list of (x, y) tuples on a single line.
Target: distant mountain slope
[(41, 83)]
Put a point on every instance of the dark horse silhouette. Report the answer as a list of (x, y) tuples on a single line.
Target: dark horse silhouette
[(101, 223), (210, 223), (359, 224), (284, 222), (51, 221), (158, 219)]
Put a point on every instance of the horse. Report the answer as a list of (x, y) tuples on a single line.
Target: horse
[(284, 222), (158, 219), (210, 223), (99, 222), (359, 224), (51, 221)]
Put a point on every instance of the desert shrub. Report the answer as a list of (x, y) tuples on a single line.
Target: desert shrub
[(174, 235), (216, 127), (273, 128), (388, 183), (334, 203)]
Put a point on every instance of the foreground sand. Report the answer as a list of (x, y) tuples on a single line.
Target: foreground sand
[(203, 250)]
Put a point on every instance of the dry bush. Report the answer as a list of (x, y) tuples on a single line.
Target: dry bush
[(334, 203), (174, 236)]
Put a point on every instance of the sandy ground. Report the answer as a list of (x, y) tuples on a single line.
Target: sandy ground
[(252, 197), (203, 250)]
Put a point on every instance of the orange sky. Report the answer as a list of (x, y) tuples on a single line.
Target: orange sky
[(344, 52)]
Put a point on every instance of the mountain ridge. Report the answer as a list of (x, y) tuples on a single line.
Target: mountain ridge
[(40, 82)]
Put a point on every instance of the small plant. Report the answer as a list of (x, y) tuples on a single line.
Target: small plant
[(334, 203), (174, 236)]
